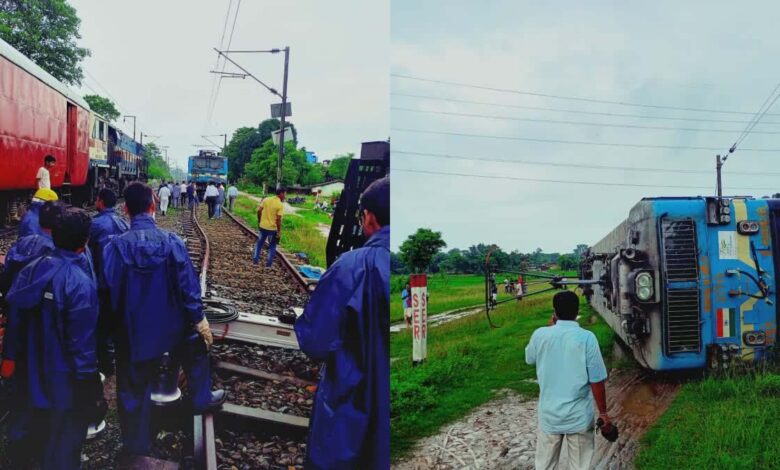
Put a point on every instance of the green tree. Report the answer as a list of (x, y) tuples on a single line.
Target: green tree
[(46, 32), (262, 167), (158, 169), (418, 250), (568, 262), (339, 166), (103, 106), (313, 174), (397, 265), (580, 250), (246, 140)]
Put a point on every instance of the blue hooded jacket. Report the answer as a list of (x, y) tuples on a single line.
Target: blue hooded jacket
[(105, 225), (154, 289), (23, 251), (30, 224), (346, 324), (54, 309)]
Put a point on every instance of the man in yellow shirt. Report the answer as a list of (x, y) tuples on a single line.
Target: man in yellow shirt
[(269, 218)]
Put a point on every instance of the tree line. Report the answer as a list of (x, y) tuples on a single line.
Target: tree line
[(424, 252), (252, 157)]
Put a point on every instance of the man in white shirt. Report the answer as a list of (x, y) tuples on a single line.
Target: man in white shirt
[(211, 196), (43, 178), (232, 194), (183, 189), (165, 196)]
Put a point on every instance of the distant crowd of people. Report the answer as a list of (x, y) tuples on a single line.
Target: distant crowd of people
[(179, 195)]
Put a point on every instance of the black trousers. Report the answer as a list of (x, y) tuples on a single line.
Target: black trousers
[(212, 202)]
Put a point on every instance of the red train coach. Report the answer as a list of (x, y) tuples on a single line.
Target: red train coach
[(39, 116)]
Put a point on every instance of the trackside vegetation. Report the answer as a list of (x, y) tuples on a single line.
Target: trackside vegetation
[(468, 364), (726, 421)]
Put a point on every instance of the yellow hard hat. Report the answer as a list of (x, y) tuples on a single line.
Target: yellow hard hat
[(45, 194)]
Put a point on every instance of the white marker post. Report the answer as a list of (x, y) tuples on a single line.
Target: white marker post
[(419, 283)]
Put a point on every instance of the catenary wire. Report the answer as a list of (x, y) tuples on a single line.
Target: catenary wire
[(576, 165), (543, 180), (578, 142), (576, 123), (577, 111), (571, 98)]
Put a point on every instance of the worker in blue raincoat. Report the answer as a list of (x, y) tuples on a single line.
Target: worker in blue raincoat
[(57, 386), (29, 224), (346, 324), (29, 247), (155, 296), (105, 225)]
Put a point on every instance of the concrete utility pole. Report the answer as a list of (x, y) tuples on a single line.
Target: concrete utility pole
[(284, 113)]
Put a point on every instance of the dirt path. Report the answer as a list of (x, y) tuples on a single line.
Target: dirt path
[(502, 434)]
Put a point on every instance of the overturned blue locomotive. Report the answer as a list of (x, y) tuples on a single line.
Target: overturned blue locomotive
[(689, 282)]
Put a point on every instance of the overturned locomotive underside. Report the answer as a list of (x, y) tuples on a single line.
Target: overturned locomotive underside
[(688, 282)]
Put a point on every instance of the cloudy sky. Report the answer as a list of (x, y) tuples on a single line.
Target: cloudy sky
[(154, 58), (702, 55)]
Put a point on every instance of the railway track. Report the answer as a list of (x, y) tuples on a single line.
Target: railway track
[(270, 389)]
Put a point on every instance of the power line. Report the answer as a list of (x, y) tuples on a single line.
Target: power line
[(224, 62), (576, 111), (758, 116), (571, 98), (579, 142), (576, 123), (216, 64), (590, 183), (576, 165)]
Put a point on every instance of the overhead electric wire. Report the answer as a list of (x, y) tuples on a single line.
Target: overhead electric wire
[(578, 165), (216, 65), (572, 98), (576, 123), (579, 142), (577, 111), (757, 118), (224, 62), (543, 180)]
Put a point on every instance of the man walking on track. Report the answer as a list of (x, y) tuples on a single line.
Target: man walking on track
[(176, 195), (571, 373), (347, 325), (211, 195), (165, 196), (183, 193), (232, 193), (269, 218), (154, 322)]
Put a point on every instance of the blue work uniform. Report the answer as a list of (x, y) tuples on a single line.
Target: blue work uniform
[(29, 224), (105, 225), (57, 302), (23, 251), (346, 324), (155, 296)]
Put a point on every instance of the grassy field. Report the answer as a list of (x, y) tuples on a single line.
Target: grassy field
[(300, 231), (468, 362), (447, 292), (720, 422)]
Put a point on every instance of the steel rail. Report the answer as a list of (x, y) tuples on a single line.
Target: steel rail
[(302, 284)]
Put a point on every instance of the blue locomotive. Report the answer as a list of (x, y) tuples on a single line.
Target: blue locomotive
[(689, 282), (207, 167)]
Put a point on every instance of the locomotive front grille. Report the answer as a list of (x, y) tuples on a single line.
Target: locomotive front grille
[(680, 255), (681, 265), (683, 330)]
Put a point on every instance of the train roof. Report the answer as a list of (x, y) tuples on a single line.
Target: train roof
[(8, 52)]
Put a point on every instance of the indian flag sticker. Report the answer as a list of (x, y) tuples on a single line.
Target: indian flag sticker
[(727, 322)]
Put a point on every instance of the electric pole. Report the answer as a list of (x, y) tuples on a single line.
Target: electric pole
[(284, 113), (124, 119)]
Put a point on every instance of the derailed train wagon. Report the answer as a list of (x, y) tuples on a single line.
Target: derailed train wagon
[(689, 282)]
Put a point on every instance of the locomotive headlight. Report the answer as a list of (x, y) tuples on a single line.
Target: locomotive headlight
[(644, 286)]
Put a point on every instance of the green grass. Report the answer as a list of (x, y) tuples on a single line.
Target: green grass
[(719, 422), (468, 362), (299, 233), (447, 292)]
